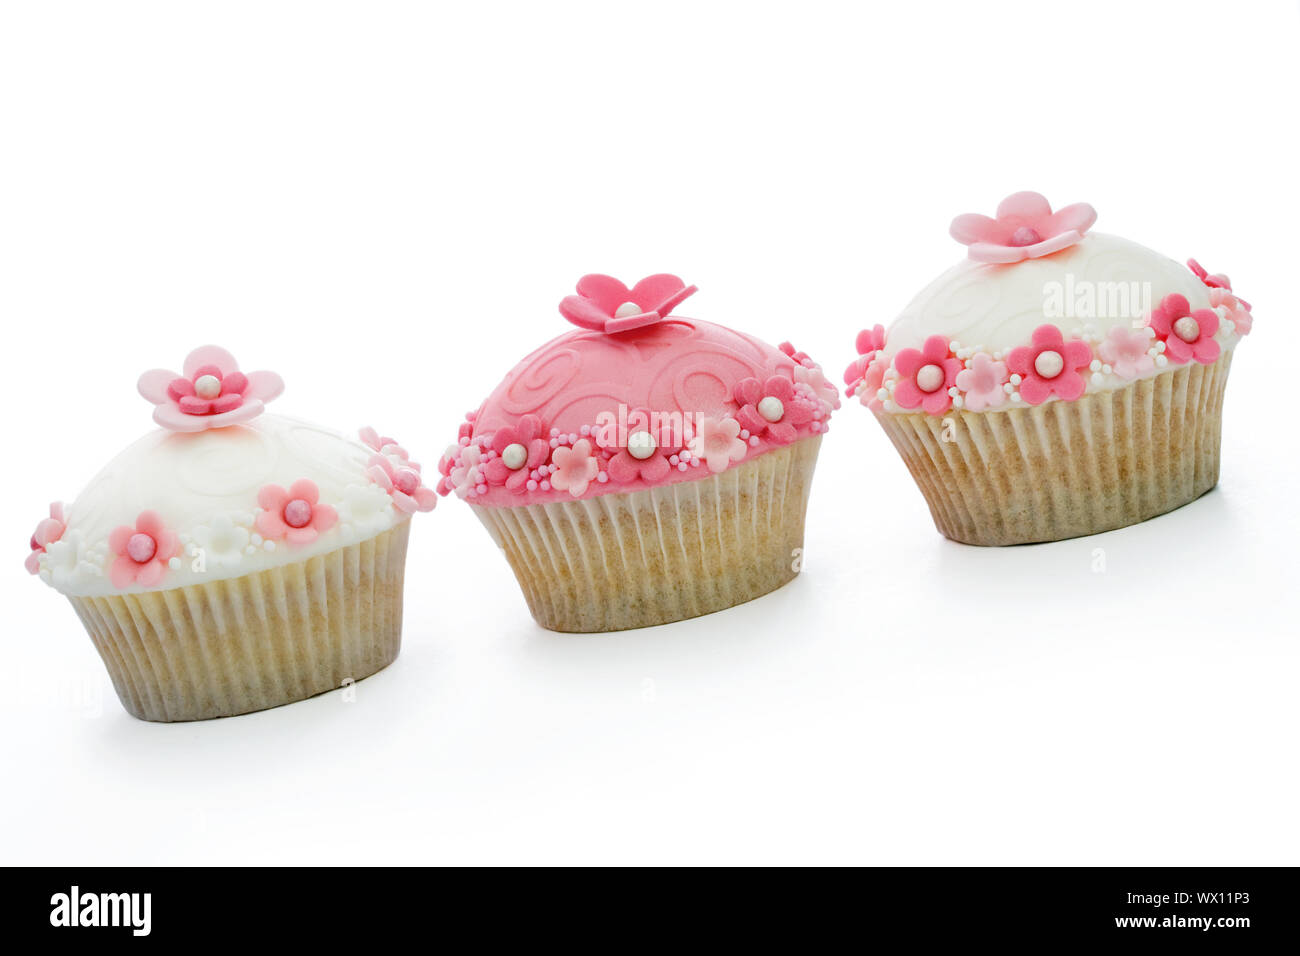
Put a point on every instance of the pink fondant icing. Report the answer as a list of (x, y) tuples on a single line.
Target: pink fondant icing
[(211, 393), (678, 371), (1024, 228)]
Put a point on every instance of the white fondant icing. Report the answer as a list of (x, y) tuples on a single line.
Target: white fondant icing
[(204, 485)]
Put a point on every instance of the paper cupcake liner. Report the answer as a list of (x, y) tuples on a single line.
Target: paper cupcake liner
[(248, 643), (1063, 469), (663, 554)]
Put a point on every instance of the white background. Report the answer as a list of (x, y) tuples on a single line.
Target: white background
[(385, 203)]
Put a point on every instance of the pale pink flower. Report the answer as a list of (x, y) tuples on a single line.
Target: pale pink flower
[(1126, 351), (982, 383), (403, 484), (717, 442), (573, 469), (294, 515), (142, 552)]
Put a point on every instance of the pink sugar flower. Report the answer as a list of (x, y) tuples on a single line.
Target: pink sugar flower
[(142, 552), (520, 448), (869, 342), (717, 442), (1187, 335), (1238, 313), (382, 444), (1216, 281), (651, 441), (872, 379), (604, 304), (982, 383), (573, 469), (1025, 228), (403, 483), (47, 532), (1050, 366), (1126, 351), (818, 384), (770, 407), (212, 392), (925, 375), (295, 516)]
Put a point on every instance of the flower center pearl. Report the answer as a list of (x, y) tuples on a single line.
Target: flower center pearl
[(1049, 364), (771, 408), (297, 513), (626, 309), (141, 548), (406, 481), (207, 386), (929, 378), (1025, 236), (1187, 329), (641, 445), (515, 456)]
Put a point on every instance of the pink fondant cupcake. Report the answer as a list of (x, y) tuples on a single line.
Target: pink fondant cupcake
[(1057, 382), (645, 468), (232, 560)]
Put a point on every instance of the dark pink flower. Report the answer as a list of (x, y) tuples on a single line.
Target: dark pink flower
[(47, 532), (651, 441), (295, 516), (925, 375), (1050, 366), (770, 407), (403, 483), (142, 552), (212, 392), (519, 449), (1216, 281), (1025, 228), (604, 304), (870, 341), (1187, 335)]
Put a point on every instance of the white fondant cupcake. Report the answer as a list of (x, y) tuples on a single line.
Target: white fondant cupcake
[(232, 560), (1055, 383)]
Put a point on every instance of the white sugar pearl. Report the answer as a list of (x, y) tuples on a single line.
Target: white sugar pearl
[(1095, 365), (1187, 329), (641, 445), (207, 386), (771, 408), (1098, 378), (929, 378), (1049, 364), (1015, 379), (627, 309), (515, 456)]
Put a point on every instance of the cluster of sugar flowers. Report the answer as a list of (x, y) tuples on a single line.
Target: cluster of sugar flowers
[(945, 374), (526, 457)]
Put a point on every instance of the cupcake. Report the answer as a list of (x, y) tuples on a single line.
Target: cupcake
[(232, 560), (1055, 383), (644, 468)]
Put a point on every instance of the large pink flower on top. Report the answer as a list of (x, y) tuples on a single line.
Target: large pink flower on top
[(211, 393), (604, 304), (925, 375), (1025, 228), (1187, 335), (1050, 366), (142, 552), (403, 483), (47, 532), (519, 448), (295, 515), (771, 407)]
